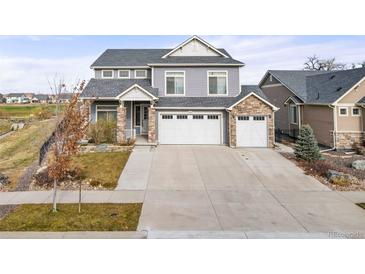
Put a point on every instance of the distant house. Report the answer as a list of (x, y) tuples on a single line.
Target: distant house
[(41, 98), (2, 98), (17, 98), (64, 98)]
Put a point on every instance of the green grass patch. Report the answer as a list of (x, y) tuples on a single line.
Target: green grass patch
[(24, 111), (20, 149), (362, 205), (93, 217), (103, 168)]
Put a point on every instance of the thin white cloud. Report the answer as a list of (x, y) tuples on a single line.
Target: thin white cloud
[(32, 74)]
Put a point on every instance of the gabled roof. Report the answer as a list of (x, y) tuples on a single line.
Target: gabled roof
[(318, 87), (361, 101), (201, 41), (41, 96), (110, 88), (15, 94)]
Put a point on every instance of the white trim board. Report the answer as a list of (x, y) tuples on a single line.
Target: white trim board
[(195, 37), (139, 87), (258, 97)]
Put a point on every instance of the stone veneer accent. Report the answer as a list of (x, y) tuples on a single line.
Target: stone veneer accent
[(121, 123), (251, 106), (151, 124), (346, 140)]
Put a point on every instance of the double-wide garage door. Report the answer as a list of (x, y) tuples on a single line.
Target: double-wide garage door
[(251, 131), (196, 128)]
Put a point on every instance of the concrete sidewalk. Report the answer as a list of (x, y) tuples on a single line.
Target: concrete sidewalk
[(43, 197), (136, 172)]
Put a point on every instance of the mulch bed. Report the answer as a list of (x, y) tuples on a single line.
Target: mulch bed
[(338, 161)]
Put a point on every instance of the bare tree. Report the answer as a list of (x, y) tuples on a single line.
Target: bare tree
[(315, 63), (71, 126)]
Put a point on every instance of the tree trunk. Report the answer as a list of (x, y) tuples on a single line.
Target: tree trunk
[(80, 198), (54, 195)]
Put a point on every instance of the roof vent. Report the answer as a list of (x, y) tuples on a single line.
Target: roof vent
[(332, 76), (317, 96), (338, 89)]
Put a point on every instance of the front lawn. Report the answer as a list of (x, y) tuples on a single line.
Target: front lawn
[(5, 125), (24, 111), (93, 217), (100, 168)]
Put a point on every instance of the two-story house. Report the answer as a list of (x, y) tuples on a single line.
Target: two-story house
[(190, 94)]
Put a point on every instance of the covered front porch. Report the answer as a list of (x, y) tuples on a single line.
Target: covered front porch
[(133, 112)]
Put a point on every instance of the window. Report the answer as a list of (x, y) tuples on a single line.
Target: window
[(198, 117), (140, 73), (293, 114), (124, 74), (343, 111), (167, 117), (212, 117), (181, 117), (175, 82), (107, 113), (217, 82), (107, 74), (259, 118), (356, 111), (243, 118), (137, 115)]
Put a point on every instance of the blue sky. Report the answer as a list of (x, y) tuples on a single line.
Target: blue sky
[(27, 62)]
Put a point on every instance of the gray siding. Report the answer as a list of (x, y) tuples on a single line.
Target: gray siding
[(196, 82), (98, 73)]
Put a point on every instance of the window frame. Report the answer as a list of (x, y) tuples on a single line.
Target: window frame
[(221, 71), (291, 106), (343, 115), (352, 112), (129, 73), (135, 74), (102, 74), (174, 71), (101, 106)]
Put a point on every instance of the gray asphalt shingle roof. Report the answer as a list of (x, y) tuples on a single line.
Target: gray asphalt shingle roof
[(361, 101), (113, 87), (319, 87), (142, 57)]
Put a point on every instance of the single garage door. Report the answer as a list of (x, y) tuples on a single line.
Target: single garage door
[(189, 128), (251, 131)]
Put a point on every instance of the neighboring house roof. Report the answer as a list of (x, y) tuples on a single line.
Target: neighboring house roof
[(143, 57), (41, 96), (65, 96), (361, 101), (246, 89), (318, 87), (110, 88), (16, 94)]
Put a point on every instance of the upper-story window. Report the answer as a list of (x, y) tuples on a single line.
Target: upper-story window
[(107, 73), (217, 83), (175, 82), (140, 73), (124, 74)]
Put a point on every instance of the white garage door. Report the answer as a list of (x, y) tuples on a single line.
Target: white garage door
[(251, 131), (189, 128)]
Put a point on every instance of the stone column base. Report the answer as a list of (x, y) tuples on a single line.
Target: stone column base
[(121, 123), (151, 124), (347, 140)]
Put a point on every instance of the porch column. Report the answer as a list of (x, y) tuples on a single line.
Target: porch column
[(151, 124), (121, 123), (85, 109)]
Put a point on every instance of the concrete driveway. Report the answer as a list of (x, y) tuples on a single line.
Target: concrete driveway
[(216, 188)]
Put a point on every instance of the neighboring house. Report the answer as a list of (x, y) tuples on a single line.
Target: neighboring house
[(2, 99), (41, 98), (64, 98), (187, 95), (331, 102), (17, 98)]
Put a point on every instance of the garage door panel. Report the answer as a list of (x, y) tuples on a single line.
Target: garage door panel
[(196, 129), (251, 131)]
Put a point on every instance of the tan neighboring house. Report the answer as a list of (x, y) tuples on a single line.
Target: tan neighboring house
[(331, 102)]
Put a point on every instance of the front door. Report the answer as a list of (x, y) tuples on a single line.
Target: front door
[(144, 119)]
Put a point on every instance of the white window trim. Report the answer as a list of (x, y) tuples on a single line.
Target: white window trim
[(129, 74), (101, 106), (172, 71), (135, 74), (343, 115), (102, 73), (291, 114), (226, 72), (352, 112)]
